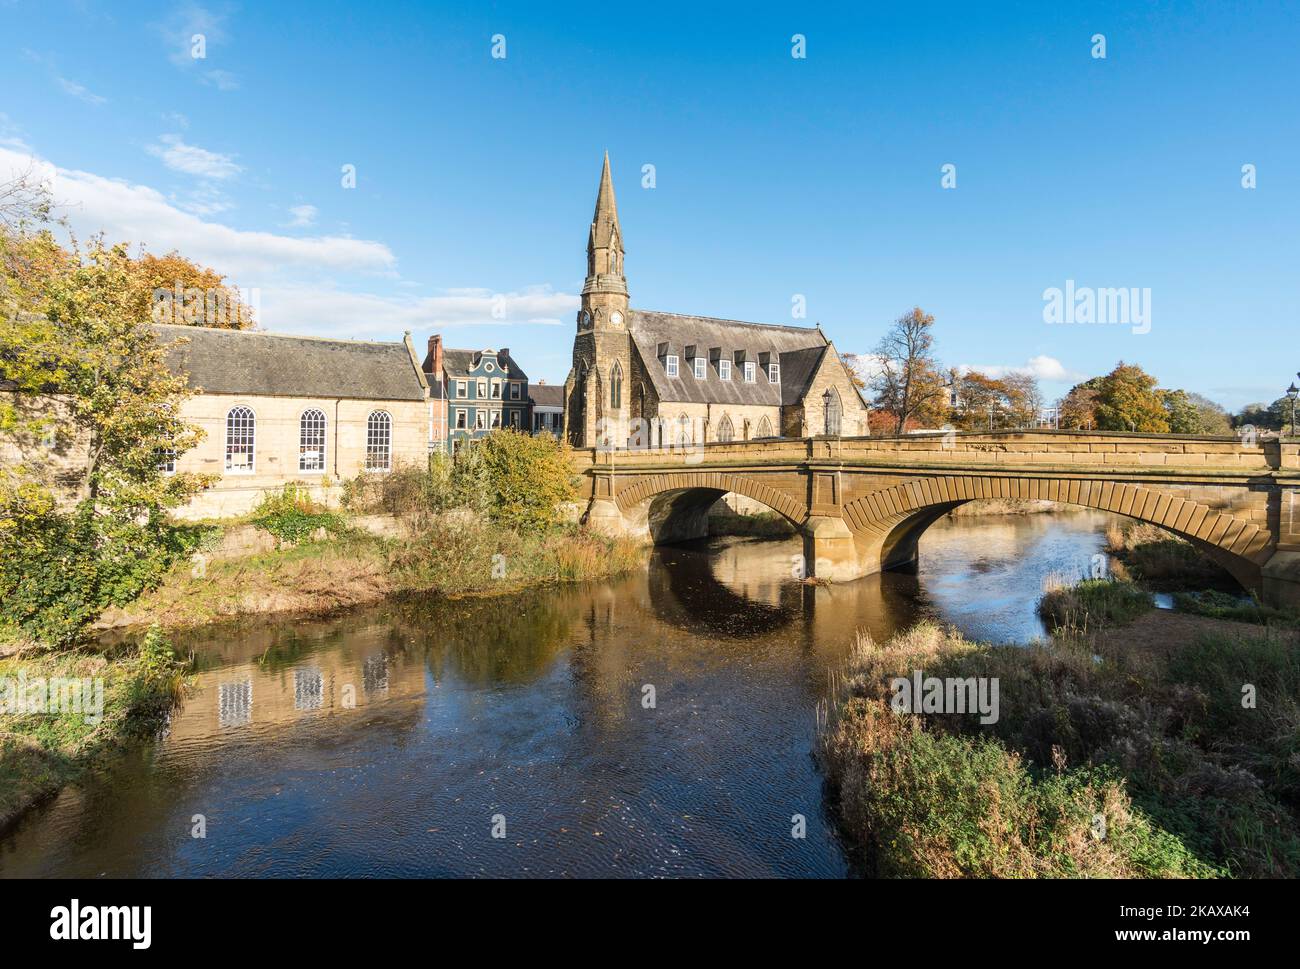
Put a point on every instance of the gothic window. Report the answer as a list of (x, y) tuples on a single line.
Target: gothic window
[(241, 430), (615, 386), (725, 431), (684, 435), (764, 428), (311, 441), (833, 411), (379, 441)]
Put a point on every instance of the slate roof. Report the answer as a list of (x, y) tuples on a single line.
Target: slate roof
[(547, 395), (798, 349), (459, 363), (283, 365)]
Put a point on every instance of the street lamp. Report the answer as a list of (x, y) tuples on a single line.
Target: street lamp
[(1291, 393)]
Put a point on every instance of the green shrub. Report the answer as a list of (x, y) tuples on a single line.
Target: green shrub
[(1092, 603), (527, 478), (292, 517), (1223, 605)]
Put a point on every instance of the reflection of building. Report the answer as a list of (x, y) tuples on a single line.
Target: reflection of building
[(649, 378), (248, 695)]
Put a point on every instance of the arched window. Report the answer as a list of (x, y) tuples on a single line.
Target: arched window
[(311, 440), (765, 427), (685, 433), (379, 441), (725, 431), (615, 387), (833, 411), (241, 432)]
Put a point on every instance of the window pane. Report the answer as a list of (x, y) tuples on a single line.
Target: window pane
[(240, 434), (311, 441), (379, 441)]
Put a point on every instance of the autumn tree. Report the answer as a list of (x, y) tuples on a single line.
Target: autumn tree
[(91, 411), (908, 384), (1079, 407), (173, 289), (1127, 400)]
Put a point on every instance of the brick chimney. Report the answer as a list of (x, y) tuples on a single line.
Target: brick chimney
[(435, 356)]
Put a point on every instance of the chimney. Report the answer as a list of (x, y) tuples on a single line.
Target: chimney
[(435, 355), (503, 352), (542, 382)]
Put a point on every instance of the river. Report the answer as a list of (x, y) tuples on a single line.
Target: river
[(657, 725)]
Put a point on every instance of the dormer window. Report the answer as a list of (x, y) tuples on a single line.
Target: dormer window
[(701, 369), (751, 372), (774, 372), (670, 365), (724, 369)]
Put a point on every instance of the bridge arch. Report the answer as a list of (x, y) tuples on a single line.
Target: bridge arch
[(889, 522), (674, 507)]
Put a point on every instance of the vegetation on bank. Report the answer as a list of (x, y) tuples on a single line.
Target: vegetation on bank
[(1093, 603), (1161, 560), (1105, 760), (41, 750)]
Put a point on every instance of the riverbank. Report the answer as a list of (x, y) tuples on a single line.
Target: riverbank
[(66, 711), (451, 555), (1126, 753)]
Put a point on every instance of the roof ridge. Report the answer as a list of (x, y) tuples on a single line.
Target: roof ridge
[(282, 336), (724, 319)]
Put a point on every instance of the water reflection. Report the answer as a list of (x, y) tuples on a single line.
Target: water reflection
[(384, 741)]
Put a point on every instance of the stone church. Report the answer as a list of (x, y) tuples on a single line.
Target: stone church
[(647, 379)]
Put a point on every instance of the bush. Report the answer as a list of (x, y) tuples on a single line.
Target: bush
[(60, 570), (1222, 605), (1093, 603), (292, 517)]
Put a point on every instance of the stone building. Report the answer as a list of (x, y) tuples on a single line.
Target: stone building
[(483, 390), (548, 408), (278, 408), (643, 378)]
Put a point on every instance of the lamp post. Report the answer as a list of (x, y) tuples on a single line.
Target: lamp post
[(826, 411), (1291, 393)]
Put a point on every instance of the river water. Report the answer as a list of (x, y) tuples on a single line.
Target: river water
[(657, 725)]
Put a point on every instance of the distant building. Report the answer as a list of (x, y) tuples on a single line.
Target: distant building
[(279, 408), (660, 378), (483, 390), (548, 408)]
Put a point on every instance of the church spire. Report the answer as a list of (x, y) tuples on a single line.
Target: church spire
[(605, 242)]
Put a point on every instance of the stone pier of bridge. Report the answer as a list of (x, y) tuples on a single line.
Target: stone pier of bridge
[(862, 504)]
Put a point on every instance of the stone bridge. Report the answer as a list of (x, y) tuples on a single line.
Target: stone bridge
[(862, 504)]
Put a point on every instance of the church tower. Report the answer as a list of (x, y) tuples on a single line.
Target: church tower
[(598, 389)]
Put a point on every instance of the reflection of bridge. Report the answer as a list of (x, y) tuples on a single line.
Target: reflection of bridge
[(861, 504)]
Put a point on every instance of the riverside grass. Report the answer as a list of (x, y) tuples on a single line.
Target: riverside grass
[(1150, 744), (42, 751)]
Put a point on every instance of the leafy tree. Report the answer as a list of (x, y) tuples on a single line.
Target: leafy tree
[(173, 289), (92, 408), (1079, 408), (527, 478), (1194, 414), (1263, 416), (908, 384), (1127, 400)]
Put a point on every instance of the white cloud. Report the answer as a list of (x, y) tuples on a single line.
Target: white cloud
[(326, 310), (221, 80), (303, 215), (69, 86), (137, 213), (1041, 367), (193, 160), (189, 21), (77, 91)]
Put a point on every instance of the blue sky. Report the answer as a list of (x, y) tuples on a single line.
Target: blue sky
[(775, 176)]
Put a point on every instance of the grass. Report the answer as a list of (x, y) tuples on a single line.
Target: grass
[(42, 751), (1163, 561), (1186, 782), (1093, 603), (453, 554), (1221, 605), (766, 524)]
